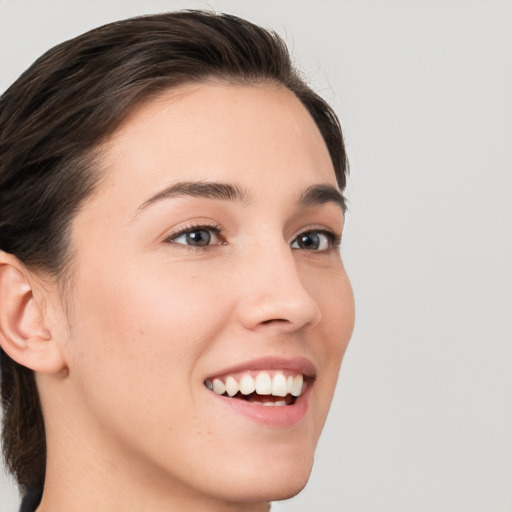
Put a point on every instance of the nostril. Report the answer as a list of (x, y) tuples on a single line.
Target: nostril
[(272, 320)]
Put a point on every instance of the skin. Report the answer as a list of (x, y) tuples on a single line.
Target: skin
[(147, 318)]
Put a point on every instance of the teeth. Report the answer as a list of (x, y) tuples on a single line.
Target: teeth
[(247, 385), (279, 385), (267, 403), (297, 385), (232, 386), (263, 384), (289, 384), (218, 387)]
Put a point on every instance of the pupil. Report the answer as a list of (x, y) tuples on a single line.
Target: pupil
[(310, 241), (200, 237)]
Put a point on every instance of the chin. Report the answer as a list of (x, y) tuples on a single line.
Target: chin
[(290, 490), (270, 467), (280, 482)]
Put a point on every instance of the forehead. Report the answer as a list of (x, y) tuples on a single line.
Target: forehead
[(248, 134)]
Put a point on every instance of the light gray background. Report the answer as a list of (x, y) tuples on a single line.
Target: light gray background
[(422, 419)]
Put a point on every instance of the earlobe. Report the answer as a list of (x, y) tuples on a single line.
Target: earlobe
[(23, 334)]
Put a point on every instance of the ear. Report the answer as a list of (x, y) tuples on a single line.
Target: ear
[(23, 334)]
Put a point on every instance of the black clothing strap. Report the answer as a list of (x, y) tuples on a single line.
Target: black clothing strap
[(31, 500)]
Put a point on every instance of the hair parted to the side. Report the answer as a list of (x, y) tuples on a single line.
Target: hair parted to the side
[(64, 106)]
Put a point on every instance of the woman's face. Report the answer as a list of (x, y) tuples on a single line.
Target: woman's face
[(208, 257)]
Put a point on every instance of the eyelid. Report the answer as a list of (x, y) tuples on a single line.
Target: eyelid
[(195, 226), (320, 228), (333, 237)]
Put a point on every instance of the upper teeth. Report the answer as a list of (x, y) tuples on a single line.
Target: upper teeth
[(263, 383)]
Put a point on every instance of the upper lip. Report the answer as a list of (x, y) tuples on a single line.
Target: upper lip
[(296, 364)]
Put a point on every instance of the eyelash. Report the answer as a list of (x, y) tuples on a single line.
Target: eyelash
[(333, 240), (213, 228)]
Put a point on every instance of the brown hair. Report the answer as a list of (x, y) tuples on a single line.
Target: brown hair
[(59, 111)]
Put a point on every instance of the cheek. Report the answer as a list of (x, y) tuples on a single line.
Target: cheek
[(139, 334), (332, 291), (334, 295), (341, 316)]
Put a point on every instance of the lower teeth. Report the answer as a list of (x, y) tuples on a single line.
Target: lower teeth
[(279, 403), (256, 399)]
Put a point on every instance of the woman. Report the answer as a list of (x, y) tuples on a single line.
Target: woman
[(173, 305)]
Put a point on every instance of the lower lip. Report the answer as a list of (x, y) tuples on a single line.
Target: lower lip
[(274, 416)]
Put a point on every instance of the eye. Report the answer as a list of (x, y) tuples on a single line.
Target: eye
[(315, 241), (197, 236)]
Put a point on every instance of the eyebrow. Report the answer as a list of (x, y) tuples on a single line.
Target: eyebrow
[(209, 190), (321, 194), (313, 195)]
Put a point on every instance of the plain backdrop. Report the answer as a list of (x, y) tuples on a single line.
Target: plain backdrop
[(422, 418)]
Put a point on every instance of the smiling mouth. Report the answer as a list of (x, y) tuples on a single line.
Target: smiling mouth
[(272, 388)]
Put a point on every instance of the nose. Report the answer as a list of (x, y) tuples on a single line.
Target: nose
[(274, 295)]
